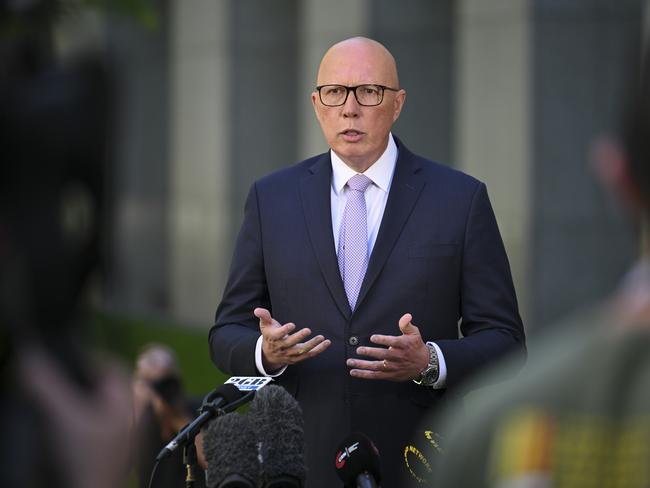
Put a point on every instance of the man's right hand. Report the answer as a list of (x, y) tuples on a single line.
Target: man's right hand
[(282, 346)]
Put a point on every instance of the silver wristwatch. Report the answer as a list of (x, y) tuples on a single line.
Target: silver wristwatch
[(430, 374)]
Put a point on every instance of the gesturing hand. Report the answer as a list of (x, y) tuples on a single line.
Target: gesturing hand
[(282, 346), (403, 358)]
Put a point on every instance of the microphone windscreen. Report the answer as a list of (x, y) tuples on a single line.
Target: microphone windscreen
[(355, 455), (231, 451), (277, 418)]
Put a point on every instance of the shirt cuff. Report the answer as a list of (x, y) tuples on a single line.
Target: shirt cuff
[(260, 366), (441, 382)]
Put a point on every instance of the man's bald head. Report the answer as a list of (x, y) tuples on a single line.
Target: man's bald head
[(359, 52), (357, 133)]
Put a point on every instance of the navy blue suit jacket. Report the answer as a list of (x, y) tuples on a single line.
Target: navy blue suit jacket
[(438, 256)]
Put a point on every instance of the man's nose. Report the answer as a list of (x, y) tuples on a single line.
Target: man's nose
[(351, 106)]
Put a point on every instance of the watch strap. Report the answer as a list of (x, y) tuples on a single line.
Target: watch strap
[(430, 374)]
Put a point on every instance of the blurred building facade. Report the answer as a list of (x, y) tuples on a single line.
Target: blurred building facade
[(510, 91)]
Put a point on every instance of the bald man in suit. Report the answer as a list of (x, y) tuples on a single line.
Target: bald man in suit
[(365, 337)]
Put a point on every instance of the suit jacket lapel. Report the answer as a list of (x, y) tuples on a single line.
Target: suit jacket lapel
[(404, 192), (315, 196)]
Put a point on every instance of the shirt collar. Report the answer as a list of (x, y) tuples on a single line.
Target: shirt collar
[(381, 171)]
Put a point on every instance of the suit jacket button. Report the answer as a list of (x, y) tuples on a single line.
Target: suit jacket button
[(353, 341)]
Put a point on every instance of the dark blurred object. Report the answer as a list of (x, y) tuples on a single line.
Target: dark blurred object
[(168, 388), (636, 129), (54, 127)]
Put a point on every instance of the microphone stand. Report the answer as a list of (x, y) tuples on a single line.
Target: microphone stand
[(207, 411), (189, 448), (189, 460)]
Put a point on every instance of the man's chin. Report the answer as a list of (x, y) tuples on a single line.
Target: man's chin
[(348, 149), (357, 160)]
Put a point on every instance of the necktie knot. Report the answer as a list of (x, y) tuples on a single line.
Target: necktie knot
[(359, 183)]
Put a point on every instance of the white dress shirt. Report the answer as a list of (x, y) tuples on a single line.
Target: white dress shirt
[(381, 173)]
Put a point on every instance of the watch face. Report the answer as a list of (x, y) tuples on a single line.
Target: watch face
[(430, 375)]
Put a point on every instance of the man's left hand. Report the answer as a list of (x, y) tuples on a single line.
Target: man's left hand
[(402, 358)]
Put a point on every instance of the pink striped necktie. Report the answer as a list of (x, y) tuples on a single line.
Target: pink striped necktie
[(353, 238)]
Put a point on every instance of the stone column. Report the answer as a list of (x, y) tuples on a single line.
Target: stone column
[(200, 150), (323, 24), (492, 135)]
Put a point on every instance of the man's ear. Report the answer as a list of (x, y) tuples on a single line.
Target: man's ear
[(314, 102), (611, 166), (400, 98)]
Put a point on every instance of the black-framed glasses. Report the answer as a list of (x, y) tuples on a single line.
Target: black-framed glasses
[(366, 95)]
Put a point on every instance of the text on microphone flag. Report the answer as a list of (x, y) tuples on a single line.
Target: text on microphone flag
[(249, 383)]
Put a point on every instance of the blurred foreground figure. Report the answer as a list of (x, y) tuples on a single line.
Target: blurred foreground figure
[(161, 411), (579, 414), (64, 417)]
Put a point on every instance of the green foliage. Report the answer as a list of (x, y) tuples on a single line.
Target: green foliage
[(42, 16), (144, 11), (125, 337)]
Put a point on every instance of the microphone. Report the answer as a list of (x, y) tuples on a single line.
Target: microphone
[(277, 418), (357, 462), (226, 398), (231, 450)]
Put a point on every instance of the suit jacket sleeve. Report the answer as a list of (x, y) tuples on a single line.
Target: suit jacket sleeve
[(490, 322), (236, 330)]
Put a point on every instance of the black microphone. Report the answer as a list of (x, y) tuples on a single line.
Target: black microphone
[(357, 462), (277, 419), (231, 451), (225, 398)]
